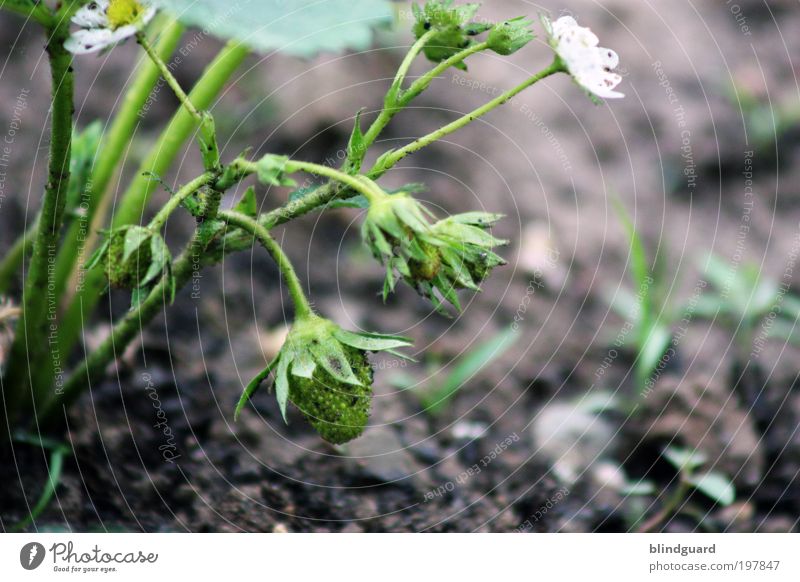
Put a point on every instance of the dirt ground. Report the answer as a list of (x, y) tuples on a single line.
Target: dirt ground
[(523, 446)]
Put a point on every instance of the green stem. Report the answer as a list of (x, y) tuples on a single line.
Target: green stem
[(162, 67), (392, 101), (207, 136), (670, 506), (405, 65), (12, 261), (360, 184), (31, 350), (301, 305), (424, 81), (78, 241), (177, 199), (135, 199), (428, 139)]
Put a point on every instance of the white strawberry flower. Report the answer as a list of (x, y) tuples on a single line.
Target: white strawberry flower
[(590, 65), (103, 23)]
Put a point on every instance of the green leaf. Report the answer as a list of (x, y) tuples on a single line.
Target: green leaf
[(655, 345), (247, 205), (638, 488), (54, 467), (300, 27), (716, 486), (788, 331), (684, 459), (639, 263)]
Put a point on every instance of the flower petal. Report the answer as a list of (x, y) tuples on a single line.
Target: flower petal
[(93, 15)]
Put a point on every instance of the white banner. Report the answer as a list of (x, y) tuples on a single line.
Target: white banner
[(399, 557)]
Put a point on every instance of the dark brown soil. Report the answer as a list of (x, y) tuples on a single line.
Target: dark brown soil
[(155, 446)]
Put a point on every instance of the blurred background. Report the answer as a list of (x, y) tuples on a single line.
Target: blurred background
[(540, 408)]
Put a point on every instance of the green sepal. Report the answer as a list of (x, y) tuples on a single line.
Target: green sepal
[(271, 170), (333, 360), (247, 205), (251, 388), (371, 342), (207, 136), (508, 37), (135, 237), (138, 296), (356, 146), (282, 383), (159, 259), (98, 255)]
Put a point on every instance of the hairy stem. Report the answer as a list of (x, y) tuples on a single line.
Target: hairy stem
[(32, 354), (425, 80), (177, 199), (391, 103), (163, 69), (301, 306), (502, 99), (13, 259), (368, 188)]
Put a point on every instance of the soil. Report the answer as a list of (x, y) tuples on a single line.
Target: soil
[(524, 444)]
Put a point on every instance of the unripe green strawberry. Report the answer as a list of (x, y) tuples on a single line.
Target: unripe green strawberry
[(324, 371), (428, 268), (434, 259), (339, 412), (127, 272)]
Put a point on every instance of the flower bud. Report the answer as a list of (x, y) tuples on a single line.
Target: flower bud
[(452, 27), (508, 37)]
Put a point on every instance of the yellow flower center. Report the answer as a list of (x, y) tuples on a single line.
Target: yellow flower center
[(124, 12)]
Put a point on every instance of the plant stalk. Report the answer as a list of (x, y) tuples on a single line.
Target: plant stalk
[(428, 139), (301, 305), (35, 348)]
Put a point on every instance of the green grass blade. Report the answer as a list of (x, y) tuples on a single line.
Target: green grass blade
[(466, 368)]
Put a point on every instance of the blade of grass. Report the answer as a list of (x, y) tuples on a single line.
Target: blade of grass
[(55, 467), (465, 369)]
